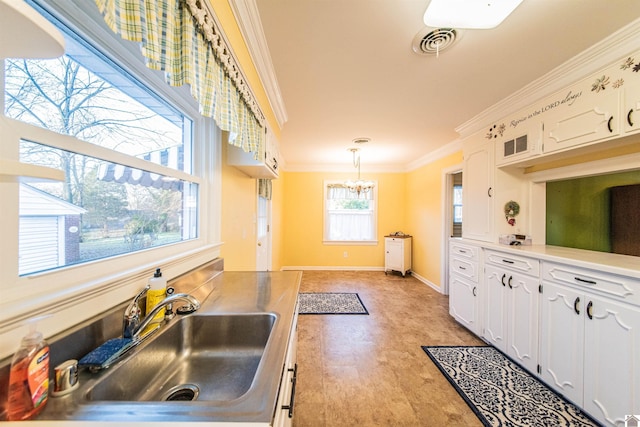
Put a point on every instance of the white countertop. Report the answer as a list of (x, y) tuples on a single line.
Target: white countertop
[(625, 265)]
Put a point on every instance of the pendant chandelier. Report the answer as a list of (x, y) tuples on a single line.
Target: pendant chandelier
[(358, 186)]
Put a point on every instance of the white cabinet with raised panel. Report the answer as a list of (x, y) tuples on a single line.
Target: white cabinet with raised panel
[(511, 303), (590, 340), (631, 112), (397, 254), (464, 284), (477, 177), (283, 416), (594, 119)]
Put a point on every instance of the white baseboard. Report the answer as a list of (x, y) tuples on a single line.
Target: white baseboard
[(330, 268), (347, 268), (427, 282)]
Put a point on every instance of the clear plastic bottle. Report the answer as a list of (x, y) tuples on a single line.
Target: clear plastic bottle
[(29, 378)]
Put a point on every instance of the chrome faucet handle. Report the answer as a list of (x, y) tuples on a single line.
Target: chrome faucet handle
[(193, 305), (132, 314), (169, 314)]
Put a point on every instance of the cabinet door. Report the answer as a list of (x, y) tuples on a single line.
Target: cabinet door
[(393, 256), (611, 360), (631, 113), (463, 302), (522, 319), (477, 195), (562, 340), (495, 331), (581, 124)]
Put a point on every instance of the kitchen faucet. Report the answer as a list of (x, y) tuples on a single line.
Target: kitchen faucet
[(132, 325)]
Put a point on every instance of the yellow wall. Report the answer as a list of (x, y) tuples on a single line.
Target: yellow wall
[(277, 228), (239, 203), (410, 202), (424, 216), (303, 221), (224, 13)]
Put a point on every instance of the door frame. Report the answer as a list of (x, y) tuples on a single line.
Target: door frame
[(447, 221), (263, 264)]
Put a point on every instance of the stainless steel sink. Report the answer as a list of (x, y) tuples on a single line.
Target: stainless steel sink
[(197, 358)]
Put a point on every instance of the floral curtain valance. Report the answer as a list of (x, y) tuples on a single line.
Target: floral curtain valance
[(180, 38)]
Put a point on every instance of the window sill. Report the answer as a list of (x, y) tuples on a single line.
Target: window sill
[(351, 242)]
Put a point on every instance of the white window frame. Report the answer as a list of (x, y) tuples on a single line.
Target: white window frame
[(71, 294), (325, 221)]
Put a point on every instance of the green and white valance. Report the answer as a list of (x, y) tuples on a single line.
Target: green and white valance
[(182, 39)]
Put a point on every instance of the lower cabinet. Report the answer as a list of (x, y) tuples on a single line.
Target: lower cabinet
[(576, 327), (464, 285), (283, 416), (511, 322), (397, 255), (589, 351)]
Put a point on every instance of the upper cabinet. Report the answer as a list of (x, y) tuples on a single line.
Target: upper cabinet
[(478, 154), (601, 107), (631, 111), (263, 164), (518, 143), (589, 119)]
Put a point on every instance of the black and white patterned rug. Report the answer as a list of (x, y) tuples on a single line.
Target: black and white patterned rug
[(500, 392), (330, 303)]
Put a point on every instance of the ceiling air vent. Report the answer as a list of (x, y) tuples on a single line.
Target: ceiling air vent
[(432, 42)]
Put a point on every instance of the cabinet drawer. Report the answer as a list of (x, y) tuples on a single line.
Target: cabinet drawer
[(464, 251), (620, 287), (464, 268), (513, 262)]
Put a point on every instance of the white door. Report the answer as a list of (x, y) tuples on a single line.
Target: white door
[(611, 361), (263, 240), (496, 307), (562, 340), (522, 319)]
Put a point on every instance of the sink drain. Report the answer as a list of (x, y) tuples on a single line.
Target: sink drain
[(183, 392)]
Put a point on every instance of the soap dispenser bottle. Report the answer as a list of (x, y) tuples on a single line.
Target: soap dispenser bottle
[(29, 378), (156, 293)]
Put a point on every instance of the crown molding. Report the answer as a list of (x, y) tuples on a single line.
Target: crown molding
[(444, 151), (342, 168), (248, 18), (598, 56)]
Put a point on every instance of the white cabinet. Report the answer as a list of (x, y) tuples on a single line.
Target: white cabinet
[(477, 177), (589, 342), (631, 112), (594, 119), (397, 256), (519, 145), (263, 164), (512, 297), (283, 416), (464, 285)]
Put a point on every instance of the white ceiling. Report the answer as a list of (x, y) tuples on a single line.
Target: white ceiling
[(346, 70)]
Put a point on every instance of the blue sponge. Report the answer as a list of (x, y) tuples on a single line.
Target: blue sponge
[(106, 354)]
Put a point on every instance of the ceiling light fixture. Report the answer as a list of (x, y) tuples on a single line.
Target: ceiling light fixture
[(358, 186), (475, 14)]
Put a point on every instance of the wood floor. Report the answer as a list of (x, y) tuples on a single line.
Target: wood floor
[(359, 370)]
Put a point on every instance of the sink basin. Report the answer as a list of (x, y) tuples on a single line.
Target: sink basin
[(197, 358)]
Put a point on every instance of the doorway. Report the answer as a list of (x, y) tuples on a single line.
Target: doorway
[(263, 234), (451, 216)]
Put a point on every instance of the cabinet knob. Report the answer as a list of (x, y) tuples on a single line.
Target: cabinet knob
[(576, 307), (502, 280)]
